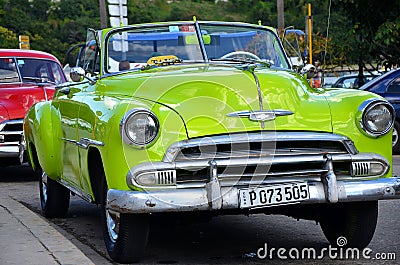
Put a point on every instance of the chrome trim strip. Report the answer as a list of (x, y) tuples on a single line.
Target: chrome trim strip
[(277, 174), (260, 96), (260, 115), (84, 142), (75, 190), (195, 199), (242, 138)]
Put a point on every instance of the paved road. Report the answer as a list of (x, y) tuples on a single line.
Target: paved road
[(223, 240)]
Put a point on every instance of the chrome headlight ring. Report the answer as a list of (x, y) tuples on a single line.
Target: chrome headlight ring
[(139, 127), (375, 117)]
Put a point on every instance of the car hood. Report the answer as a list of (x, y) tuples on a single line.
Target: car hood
[(16, 99), (209, 97)]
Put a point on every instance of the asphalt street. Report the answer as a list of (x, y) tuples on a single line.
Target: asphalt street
[(28, 238)]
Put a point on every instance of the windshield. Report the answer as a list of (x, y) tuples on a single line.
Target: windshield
[(135, 47), (235, 42), (14, 70)]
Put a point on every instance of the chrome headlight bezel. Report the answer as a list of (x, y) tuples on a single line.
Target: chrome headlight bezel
[(365, 109), (127, 122)]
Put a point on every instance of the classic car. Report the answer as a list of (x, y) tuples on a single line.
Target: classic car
[(351, 81), (209, 119), (26, 77)]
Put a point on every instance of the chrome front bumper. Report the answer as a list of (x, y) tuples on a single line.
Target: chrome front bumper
[(206, 199), (13, 129), (9, 150), (221, 180)]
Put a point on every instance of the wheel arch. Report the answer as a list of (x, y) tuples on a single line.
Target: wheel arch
[(96, 173), (33, 157), (43, 135)]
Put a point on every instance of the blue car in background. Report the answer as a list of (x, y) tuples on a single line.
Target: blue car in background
[(351, 81), (388, 86)]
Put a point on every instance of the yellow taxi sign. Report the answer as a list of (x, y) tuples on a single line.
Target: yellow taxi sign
[(24, 42), (163, 60)]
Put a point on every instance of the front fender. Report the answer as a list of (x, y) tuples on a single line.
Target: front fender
[(43, 132), (344, 104), (3, 113)]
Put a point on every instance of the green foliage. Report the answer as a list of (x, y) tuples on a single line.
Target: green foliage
[(387, 40), (141, 11), (360, 31), (8, 38), (52, 26), (363, 33)]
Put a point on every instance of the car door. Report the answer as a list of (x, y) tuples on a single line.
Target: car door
[(77, 119), (68, 106)]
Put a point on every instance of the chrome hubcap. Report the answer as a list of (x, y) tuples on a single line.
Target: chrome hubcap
[(44, 187), (113, 219), (395, 137)]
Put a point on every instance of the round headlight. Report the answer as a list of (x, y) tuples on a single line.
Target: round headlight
[(377, 117), (139, 127)]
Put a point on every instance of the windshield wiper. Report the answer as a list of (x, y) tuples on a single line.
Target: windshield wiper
[(243, 60), (39, 80)]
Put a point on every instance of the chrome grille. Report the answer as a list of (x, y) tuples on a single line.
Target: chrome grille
[(166, 177), (262, 144), (11, 131), (361, 168), (243, 158)]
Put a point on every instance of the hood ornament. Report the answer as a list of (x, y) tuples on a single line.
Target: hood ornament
[(260, 115)]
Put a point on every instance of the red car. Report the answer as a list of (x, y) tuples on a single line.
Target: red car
[(26, 77)]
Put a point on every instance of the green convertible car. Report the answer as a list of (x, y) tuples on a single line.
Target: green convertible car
[(208, 118)]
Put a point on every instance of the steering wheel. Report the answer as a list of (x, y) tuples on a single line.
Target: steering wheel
[(241, 54)]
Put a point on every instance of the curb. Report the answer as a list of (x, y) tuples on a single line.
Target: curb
[(40, 238)]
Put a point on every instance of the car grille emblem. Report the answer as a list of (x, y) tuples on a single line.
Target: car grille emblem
[(260, 115)]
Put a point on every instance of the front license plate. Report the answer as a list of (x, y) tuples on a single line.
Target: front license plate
[(273, 195)]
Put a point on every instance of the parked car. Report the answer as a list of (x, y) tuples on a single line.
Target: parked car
[(210, 119), (351, 81), (388, 86), (26, 77)]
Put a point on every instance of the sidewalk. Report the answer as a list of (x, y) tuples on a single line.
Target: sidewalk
[(26, 238)]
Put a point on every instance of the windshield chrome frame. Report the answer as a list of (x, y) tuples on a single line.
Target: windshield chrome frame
[(198, 25)]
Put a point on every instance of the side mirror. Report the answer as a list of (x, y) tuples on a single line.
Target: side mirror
[(77, 74), (308, 71)]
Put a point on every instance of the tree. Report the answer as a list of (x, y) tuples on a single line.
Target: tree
[(8, 38), (364, 18), (363, 32), (387, 41)]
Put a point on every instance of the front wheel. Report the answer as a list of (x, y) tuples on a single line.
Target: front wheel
[(350, 225), (125, 235), (54, 198)]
